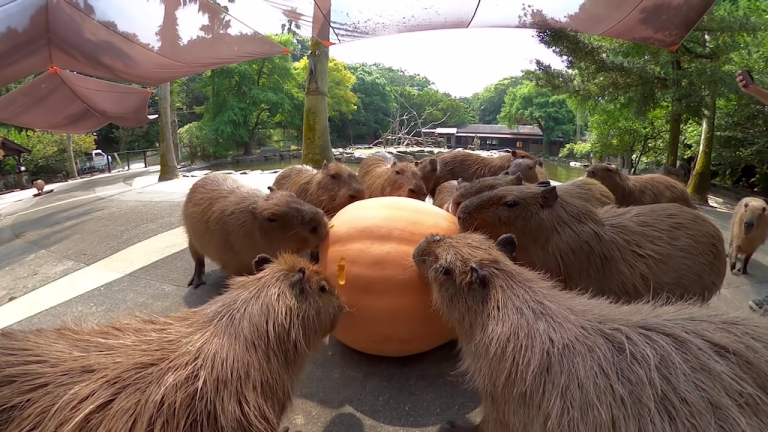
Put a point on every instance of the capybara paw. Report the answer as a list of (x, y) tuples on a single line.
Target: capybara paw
[(743, 271), (733, 267), (196, 282)]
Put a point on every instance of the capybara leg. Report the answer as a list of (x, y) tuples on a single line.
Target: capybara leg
[(450, 426), (732, 258), (198, 277), (744, 264)]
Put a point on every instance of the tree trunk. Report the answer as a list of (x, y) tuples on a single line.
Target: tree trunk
[(698, 186), (578, 127), (168, 168), (71, 159), (175, 132), (676, 119), (316, 137)]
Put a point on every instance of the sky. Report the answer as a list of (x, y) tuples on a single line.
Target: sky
[(461, 61)]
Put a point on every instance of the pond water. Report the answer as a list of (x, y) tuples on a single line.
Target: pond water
[(555, 171)]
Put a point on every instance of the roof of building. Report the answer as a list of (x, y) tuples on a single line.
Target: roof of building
[(11, 148)]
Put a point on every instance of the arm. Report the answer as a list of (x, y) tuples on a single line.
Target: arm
[(753, 90)]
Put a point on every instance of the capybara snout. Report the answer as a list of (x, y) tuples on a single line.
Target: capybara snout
[(382, 175)]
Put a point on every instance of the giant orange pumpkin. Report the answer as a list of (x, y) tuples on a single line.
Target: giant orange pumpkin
[(390, 305)]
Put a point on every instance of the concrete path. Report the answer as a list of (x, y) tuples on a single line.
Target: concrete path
[(113, 245)]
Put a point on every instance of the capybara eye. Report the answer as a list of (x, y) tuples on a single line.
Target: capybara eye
[(271, 219), (437, 238), (323, 288), (444, 271), (398, 172), (510, 203), (334, 177)]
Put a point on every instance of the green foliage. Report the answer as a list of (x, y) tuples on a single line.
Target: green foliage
[(48, 155), (529, 103), (580, 149), (486, 105), (196, 139)]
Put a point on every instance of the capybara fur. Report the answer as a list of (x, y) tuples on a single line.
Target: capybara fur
[(39, 185), (549, 360), (528, 169), (470, 166), (676, 174), (640, 189), (466, 190), (587, 191), (749, 230), (230, 365), (659, 251), (231, 223), (331, 188), (383, 175), (429, 169), (445, 193)]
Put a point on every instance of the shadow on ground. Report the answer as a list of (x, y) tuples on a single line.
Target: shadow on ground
[(409, 392)]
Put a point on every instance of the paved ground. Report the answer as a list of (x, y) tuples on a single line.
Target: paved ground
[(112, 245)]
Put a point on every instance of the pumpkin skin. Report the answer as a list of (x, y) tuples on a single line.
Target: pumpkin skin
[(390, 305)]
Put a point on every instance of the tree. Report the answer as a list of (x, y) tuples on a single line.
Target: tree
[(316, 136), (375, 101), (341, 100), (248, 99), (486, 105), (532, 104), (49, 151)]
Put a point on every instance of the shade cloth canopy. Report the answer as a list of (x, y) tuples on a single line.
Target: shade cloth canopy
[(65, 102), (110, 39), (662, 23)]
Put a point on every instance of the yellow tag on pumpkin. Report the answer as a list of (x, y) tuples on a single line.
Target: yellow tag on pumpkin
[(341, 271)]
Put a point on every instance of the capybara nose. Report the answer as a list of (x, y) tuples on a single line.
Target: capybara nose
[(412, 191), (589, 174), (356, 197), (748, 225)]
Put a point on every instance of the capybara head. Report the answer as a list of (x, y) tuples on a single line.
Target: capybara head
[(754, 215), (460, 268), (506, 210), (428, 169), (404, 179), (519, 154), (526, 168), (285, 219), (467, 190), (340, 186), (302, 296), (603, 173)]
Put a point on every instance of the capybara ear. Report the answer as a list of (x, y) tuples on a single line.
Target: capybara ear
[(517, 180), (540, 163), (261, 262), (417, 163), (394, 162), (325, 165), (299, 280), (479, 276), (433, 164), (507, 243), (548, 196), (544, 183), (271, 189), (505, 172)]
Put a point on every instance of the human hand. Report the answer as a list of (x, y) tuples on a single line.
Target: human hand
[(745, 82)]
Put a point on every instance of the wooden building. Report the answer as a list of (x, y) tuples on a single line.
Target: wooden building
[(494, 137)]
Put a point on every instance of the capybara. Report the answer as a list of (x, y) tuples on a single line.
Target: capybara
[(470, 166), (429, 169), (549, 360), (331, 188), (466, 190), (659, 251), (676, 174), (445, 193), (39, 184), (640, 189), (382, 175), (231, 223), (528, 169), (230, 365), (749, 230), (586, 191)]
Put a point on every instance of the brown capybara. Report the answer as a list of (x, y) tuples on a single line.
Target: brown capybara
[(331, 188), (749, 230), (466, 190), (382, 175), (470, 166), (445, 193), (676, 174), (429, 169), (586, 191), (528, 169), (545, 359), (39, 185), (640, 189), (231, 223), (229, 365), (658, 251)]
